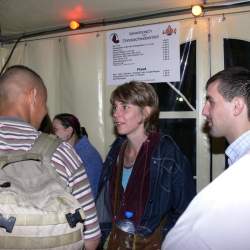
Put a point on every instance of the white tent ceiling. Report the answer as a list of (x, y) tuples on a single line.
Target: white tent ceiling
[(29, 16)]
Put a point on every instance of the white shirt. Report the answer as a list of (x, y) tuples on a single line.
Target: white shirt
[(238, 148), (218, 218)]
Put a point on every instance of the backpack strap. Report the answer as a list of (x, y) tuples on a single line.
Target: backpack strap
[(43, 149), (17, 156), (45, 145)]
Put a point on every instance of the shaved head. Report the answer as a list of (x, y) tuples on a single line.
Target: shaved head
[(21, 90), (18, 79)]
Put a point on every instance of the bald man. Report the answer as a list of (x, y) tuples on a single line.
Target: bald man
[(23, 95), (23, 98)]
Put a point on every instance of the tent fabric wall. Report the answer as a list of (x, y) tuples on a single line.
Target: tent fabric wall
[(81, 83), (42, 56), (74, 70)]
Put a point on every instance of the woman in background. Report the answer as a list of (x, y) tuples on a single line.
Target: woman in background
[(67, 127), (145, 173)]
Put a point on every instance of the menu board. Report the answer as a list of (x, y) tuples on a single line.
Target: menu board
[(148, 53)]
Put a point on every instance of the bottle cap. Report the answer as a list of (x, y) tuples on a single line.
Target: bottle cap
[(128, 214)]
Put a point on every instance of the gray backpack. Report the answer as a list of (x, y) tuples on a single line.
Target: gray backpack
[(37, 210)]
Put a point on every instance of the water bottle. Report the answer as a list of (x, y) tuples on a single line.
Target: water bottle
[(127, 225)]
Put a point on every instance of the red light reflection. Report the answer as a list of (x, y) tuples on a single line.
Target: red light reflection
[(77, 13)]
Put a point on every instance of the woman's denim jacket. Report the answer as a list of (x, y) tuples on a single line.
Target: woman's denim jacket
[(171, 188)]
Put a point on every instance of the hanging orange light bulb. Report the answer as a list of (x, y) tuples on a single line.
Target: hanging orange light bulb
[(74, 25), (197, 10)]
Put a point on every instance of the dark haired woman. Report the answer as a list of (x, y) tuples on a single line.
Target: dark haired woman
[(67, 127), (145, 173)]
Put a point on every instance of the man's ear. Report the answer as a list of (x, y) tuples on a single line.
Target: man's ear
[(33, 96), (238, 105)]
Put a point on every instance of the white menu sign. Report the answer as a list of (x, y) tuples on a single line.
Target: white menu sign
[(148, 53)]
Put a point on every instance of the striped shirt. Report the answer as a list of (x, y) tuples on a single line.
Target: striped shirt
[(19, 135)]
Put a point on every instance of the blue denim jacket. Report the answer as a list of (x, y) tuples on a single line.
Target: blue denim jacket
[(171, 187)]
